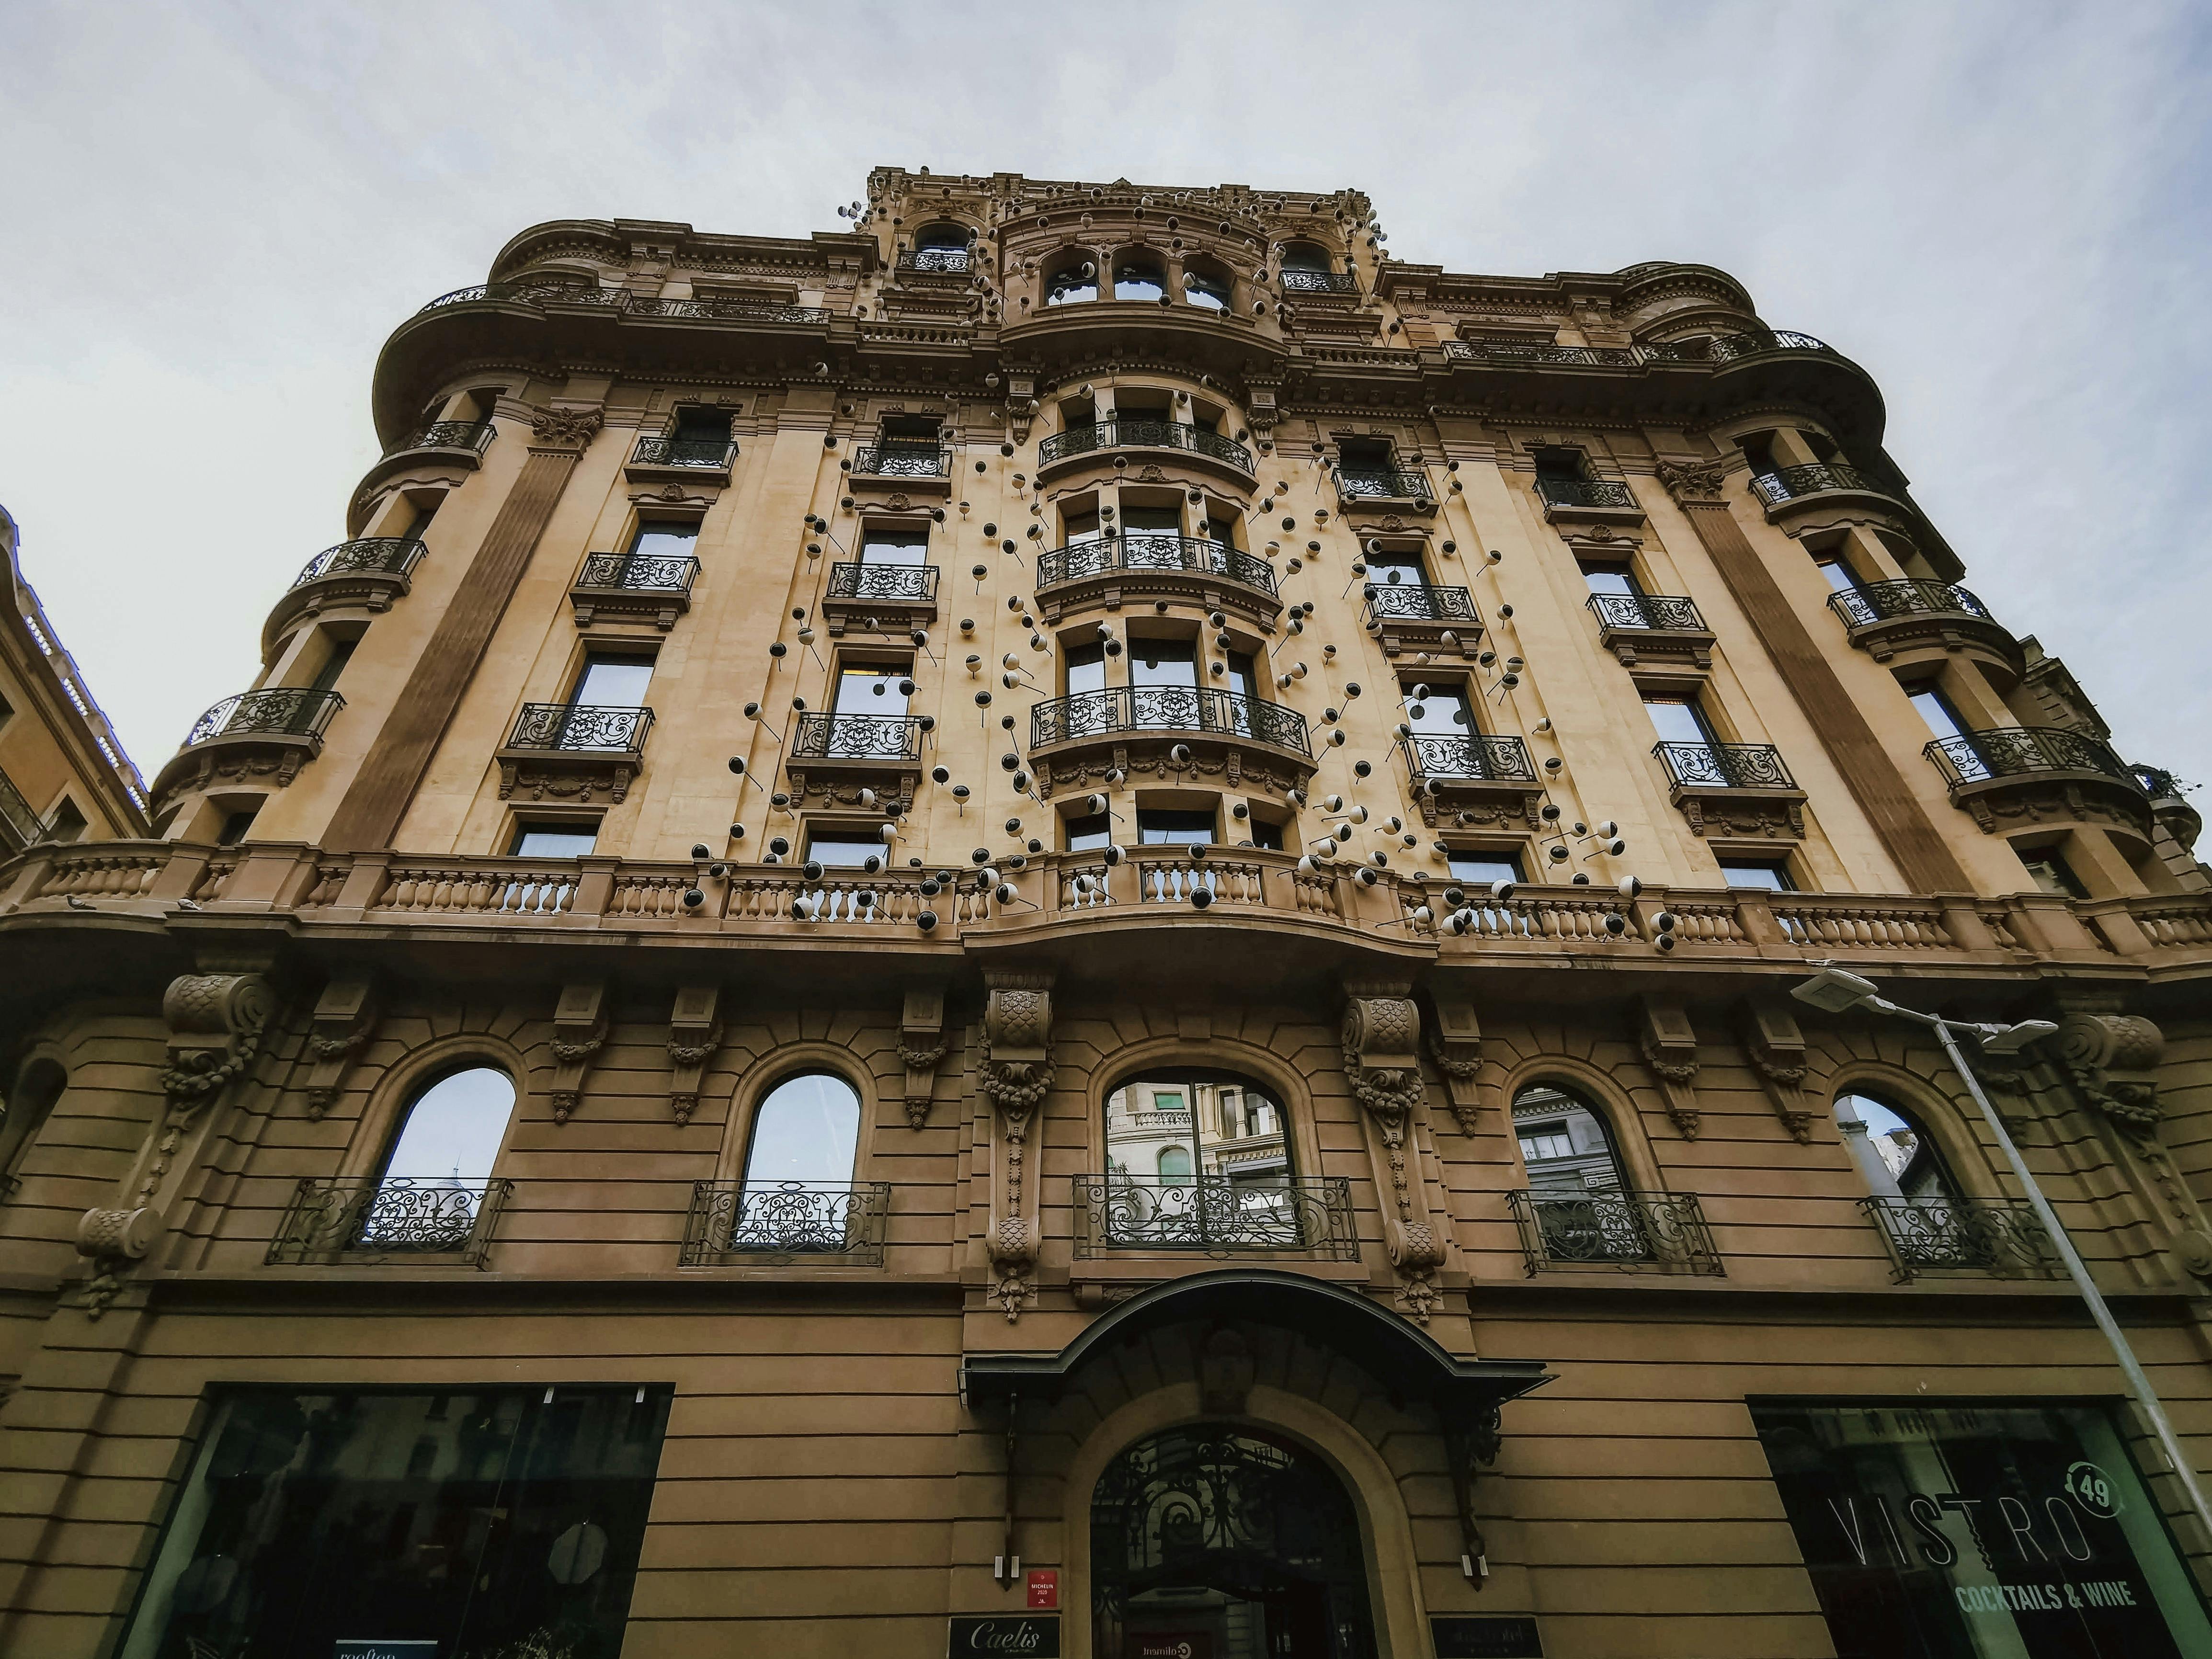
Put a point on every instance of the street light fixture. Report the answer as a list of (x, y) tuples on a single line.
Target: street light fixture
[(1837, 992)]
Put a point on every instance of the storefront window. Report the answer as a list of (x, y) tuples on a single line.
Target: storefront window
[(487, 1522), (1970, 1531)]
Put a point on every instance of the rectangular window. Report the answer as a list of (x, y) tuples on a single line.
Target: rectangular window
[(1561, 465), (1936, 709), (872, 689), (1677, 720), (1267, 835), (2051, 873), (1089, 832), (327, 677), (420, 521), (1837, 574), (1484, 867), (1243, 674), (1610, 578), (234, 826), (879, 545), (1972, 1529), (1161, 827), (705, 427), (1773, 874), (1540, 1142), (1442, 713), (1365, 455), (665, 538), (68, 823), (554, 841), (1163, 662), (1080, 527), (1222, 533), (610, 682), (1163, 520), (471, 1520), (1396, 567), (838, 850), (1087, 668)]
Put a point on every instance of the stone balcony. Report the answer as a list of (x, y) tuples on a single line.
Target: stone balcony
[(572, 752), (672, 459), (2014, 778), (872, 761), (1127, 441), (879, 598), (1190, 733), (1475, 781), (923, 467), (1786, 492), (455, 444), (1737, 791), (1389, 490), (254, 738), (1915, 622), (364, 575), (1414, 615), (1141, 566), (1588, 500)]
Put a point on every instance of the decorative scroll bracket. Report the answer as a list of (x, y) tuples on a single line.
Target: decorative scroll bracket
[(345, 1018), (1669, 1043), (2112, 1059), (216, 1023), (1776, 1049), (922, 1046), (1455, 1045), (695, 1033), (1015, 1076), (579, 1031), (1383, 1061)]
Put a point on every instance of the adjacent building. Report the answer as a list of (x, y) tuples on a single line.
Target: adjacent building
[(1063, 924)]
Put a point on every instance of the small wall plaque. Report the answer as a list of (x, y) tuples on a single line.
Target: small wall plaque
[(1486, 1636)]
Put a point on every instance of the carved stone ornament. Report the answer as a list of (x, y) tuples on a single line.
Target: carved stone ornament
[(2113, 1059), (1776, 1049), (111, 1240), (1669, 1045), (579, 1031), (922, 1046), (216, 1023), (1694, 483), (1383, 1061), (565, 429), (1455, 1045), (695, 1032), (1015, 1076), (344, 1018)]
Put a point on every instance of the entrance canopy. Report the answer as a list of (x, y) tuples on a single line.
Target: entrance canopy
[(1404, 1360)]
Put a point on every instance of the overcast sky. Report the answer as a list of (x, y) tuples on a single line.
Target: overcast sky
[(214, 215)]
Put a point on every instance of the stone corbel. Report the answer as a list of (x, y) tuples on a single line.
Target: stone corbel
[(1455, 1045), (695, 1032), (1015, 1076), (111, 1240), (1670, 1051), (1776, 1049), (1021, 405), (345, 1018), (922, 1046), (1383, 1061), (568, 430), (216, 1023), (579, 1031), (2113, 1060), (1694, 484)]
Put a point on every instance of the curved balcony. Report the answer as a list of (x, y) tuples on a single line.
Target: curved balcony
[(1738, 791), (674, 459), (457, 444), (2170, 806), (1541, 352), (1789, 489), (1588, 500), (2014, 778), (367, 574), (1916, 620), (1130, 437), (1641, 627), (254, 738), (1403, 614), (1385, 489), (898, 597), (1193, 733), (573, 751), (1112, 570), (1476, 780), (654, 588)]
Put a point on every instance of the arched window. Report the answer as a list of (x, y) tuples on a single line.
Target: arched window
[(1926, 1218), (1202, 1159), (38, 1086), (1306, 256), (941, 247), (437, 1176), (1206, 288), (798, 1194), (1075, 280), (1139, 276), (1893, 1152), (1579, 1206)]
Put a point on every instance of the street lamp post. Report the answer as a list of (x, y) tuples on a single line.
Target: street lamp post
[(1838, 992)]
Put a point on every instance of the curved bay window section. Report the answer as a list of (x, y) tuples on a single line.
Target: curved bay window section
[(799, 1200), (1074, 281), (1192, 710), (1201, 1162), (1579, 1210), (367, 573), (938, 250), (1917, 622), (1132, 436), (1114, 567), (434, 1199), (1928, 1223), (261, 736), (2009, 777)]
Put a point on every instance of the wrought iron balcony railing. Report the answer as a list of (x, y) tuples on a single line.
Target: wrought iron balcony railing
[(712, 310), (1608, 493), (693, 455), (1145, 550), (896, 460), (1539, 351), (1418, 602), (1963, 1235), (1216, 1215), (378, 1216), (1724, 765), (2016, 752), (445, 434), (1383, 483), (912, 584), (706, 308), (1448, 758), (935, 261), (1647, 610), (283, 711), (383, 555), (1129, 432), (1860, 607), (1788, 482), (19, 826), (785, 1221), (570, 728), (1166, 709), (1319, 282), (533, 293), (1654, 1231), (643, 572), (857, 737)]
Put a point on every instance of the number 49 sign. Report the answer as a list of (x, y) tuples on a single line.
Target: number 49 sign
[(2089, 1486)]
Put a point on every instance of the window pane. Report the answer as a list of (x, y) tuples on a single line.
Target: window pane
[(2051, 874), (1675, 720), (1086, 669), (613, 683), (894, 547), (1893, 1154), (1089, 833), (1608, 581), (1443, 713), (532, 842), (1163, 662), (1565, 1144), (807, 1130), (1936, 708), (871, 691), (661, 538), (453, 1130), (843, 852), (1838, 575), (1267, 835), (1484, 867), (1139, 280), (1158, 827), (1394, 569), (1744, 873)]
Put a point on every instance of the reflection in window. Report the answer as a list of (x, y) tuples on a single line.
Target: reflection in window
[(1206, 290), (1200, 1159), (1893, 1154), (432, 1189), (1139, 279), (1076, 281), (1771, 874), (1580, 1201), (798, 1192), (490, 1521)]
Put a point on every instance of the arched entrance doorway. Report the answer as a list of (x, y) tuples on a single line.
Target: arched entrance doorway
[(1211, 1540)]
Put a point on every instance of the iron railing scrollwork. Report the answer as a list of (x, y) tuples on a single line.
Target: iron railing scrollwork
[(1913, 595), (1657, 1231), (446, 434), (714, 310), (644, 573), (1647, 610), (857, 737), (533, 293), (1726, 348), (1130, 431), (1166, 709), (785, 1221), (1418, 602), (1474, 757), (1787, 483), (283, 711), (1724, 765), (1383, 483), (1149, 549), (1542, 351), (911, 583), (898, 460), (692, 454), (380, 1216), (2015, 752), (935, 261), (582, 726), (1216, 1215), (1608, 493), (1963, 1235), (383, 555), (1319, 282)]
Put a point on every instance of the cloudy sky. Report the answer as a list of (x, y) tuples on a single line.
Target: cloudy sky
[(214, 213)]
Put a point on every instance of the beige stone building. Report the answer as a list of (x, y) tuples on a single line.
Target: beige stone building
[(1063, 924)]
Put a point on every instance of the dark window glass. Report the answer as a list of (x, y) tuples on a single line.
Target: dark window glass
[(1773, 874), (554, 841), (424, 511), (2053, 874), (327, 677), (1365, 455), (1267, 834), (702, 426), (1561, 464), (234, 826), (1243, 675), (1305, 256), (1162, 827), (1089, 832), (68, 823), (1759, 450), (478, 1520)]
